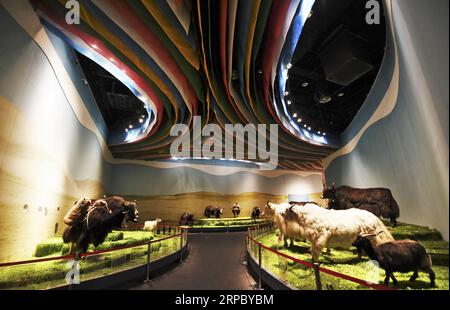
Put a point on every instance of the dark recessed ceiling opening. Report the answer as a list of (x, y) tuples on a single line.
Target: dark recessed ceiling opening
[(118, 105), (335, 64)]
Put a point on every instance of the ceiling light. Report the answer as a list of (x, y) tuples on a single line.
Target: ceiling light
[(126, 129), (141, 120), (112, 59), (289, 102), (94, 46), (310, 14), (318, 132), (295, 115), (305, 125), (309, 128), (324, 99), (289, 65), (142, 116), (299, 120), (131, 126), (324, 133), (340, 95), (286, 93), (305, 84)]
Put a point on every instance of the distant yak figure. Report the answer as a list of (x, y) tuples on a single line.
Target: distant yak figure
[(213, 211), (186, 219), (90, 221), (236, 210), (256, 212), (378, 201)]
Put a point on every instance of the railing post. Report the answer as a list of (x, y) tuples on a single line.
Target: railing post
[(260, 266), (317, 276), (181, 247), (149, 251)]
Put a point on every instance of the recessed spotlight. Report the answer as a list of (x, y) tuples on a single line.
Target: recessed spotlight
[(289, 102), (294, 115), (141, 120), (318, 132), (142, 116), (309, 128), (289, 66), (324, 133), (94, 46), (305, 84), (126, 129), (305, 125), (260, 71), (299, 120), (131, 126), (310, 14), (340, 95), (286, 93)]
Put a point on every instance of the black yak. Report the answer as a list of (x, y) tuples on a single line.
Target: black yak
[(186, 219), (236, 210), (96, 218), (397, 256), (378, 201), (256, 212), (213, 211)]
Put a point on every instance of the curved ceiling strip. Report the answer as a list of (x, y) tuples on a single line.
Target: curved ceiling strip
[(123, 16), (185, 48)]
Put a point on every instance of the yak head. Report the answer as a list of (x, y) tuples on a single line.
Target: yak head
[(220, 210), (329, 192), (130, 209), (363, 240), (269, 209)]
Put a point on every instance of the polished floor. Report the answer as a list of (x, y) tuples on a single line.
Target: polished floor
[(215, 262)]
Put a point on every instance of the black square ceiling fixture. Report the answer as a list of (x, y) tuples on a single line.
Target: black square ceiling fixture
[(346, 58)]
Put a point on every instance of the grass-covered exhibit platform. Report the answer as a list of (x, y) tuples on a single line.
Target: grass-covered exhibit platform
[(229, 223), (345, 261), (50, 274)]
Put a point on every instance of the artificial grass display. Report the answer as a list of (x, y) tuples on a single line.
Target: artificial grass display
[(345, 261), (227, 222), (50, 274), (55, 246)]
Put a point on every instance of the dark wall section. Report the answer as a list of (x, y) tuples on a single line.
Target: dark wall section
[(408, 150)]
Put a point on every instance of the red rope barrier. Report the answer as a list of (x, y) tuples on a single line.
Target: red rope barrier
[(72, 256), (324, 270)]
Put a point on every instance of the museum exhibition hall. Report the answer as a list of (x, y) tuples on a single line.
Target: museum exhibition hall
[(260, 145)]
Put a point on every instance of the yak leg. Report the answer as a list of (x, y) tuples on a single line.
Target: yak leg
[(328, 251), (394, 280), (432, 276), (414, 276), (393, 221), (292, 242), (386, 280)]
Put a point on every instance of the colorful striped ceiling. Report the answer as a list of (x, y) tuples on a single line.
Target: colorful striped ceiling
[(222, 60)]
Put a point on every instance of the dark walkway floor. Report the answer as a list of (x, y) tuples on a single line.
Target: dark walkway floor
[(215, 262)]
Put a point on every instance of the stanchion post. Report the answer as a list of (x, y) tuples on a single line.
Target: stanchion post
[(181, 247), (317, 276), (260, 266), (149, 251)]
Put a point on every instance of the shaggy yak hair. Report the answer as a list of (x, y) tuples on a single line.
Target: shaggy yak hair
[(397, 256), (236, 211), (256, 212), (93, 225), (378, 201), (186, 219), (213, 211)]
